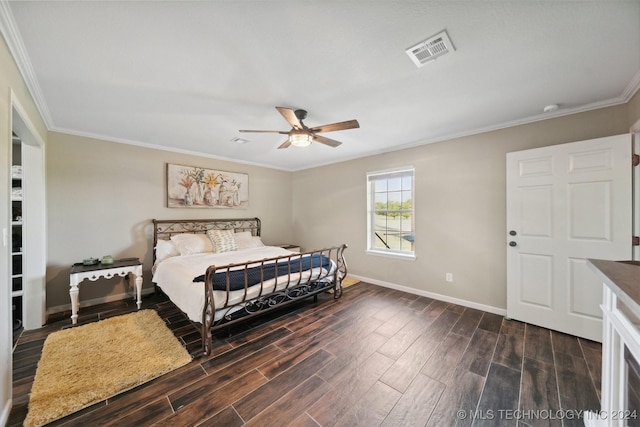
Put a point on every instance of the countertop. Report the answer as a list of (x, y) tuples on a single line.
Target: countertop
[(623, 277)]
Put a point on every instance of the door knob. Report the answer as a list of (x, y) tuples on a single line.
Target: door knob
[(512, 233), (512, 243)]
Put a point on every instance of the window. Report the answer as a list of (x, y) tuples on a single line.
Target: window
[(390, 219)]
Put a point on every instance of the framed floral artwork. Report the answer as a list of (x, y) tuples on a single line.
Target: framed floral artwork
[(195, 187)]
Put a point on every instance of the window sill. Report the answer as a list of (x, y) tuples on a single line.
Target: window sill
[(396, 255)]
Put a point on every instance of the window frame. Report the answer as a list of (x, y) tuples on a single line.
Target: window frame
[(371, 178)]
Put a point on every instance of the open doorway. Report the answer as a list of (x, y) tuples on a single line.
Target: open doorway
[(28, 223)]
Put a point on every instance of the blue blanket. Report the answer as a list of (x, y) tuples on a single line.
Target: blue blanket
[(270, 271)]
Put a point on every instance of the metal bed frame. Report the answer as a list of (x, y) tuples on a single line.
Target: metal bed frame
[(269, 298)]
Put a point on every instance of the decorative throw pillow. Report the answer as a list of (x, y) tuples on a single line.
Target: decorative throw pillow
[(189, 244), (222, 240), (165, 249)]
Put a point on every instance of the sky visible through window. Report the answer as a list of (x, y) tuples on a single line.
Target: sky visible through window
[(392, 198)]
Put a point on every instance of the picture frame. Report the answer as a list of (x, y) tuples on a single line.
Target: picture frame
[(197, 187)]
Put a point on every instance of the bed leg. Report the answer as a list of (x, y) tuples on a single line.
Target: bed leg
[(337, 290), (207, 342), (207, 349), (315, 298)]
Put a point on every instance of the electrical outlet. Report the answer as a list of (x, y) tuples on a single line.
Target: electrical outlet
[(449, 277)]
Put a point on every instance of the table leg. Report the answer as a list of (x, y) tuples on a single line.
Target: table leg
[(73, 293), (138, 282)]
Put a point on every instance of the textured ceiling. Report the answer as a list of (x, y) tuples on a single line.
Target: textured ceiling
[(188, 75)]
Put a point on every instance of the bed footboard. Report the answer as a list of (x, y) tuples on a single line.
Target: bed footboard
[(266, 285)]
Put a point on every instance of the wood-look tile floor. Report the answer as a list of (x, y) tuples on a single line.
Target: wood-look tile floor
[(375, 357)]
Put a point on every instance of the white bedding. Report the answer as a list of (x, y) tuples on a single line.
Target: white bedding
[(175, 277)]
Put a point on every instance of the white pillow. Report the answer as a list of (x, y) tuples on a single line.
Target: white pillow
[(165, 249), (222, 240), (189, 244), (245, 240), (256, 242)]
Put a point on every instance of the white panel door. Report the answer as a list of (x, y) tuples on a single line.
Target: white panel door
[(566, 203)]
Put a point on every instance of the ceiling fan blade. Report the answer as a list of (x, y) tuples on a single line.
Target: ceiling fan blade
[(282, 132), (330, 142), (285, 144), (290, 116), (349, 124)]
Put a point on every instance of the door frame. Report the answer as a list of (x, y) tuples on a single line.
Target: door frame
[(635, 191), (35, 229)]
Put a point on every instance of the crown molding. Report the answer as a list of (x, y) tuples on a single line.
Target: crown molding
[(12, 37), (107, 138), (632, 88)]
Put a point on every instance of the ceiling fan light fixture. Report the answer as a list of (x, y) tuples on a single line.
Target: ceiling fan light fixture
[(301, 139), (301, 135)]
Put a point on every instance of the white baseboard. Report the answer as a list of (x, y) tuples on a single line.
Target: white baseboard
[(445, 298), (96, 301), (6, 410)]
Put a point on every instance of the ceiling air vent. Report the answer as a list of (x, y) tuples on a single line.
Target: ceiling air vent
[(430, 49)]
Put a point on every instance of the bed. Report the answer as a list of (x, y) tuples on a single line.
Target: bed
[(219, 272)]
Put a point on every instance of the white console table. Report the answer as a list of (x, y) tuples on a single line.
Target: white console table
[(620, 344), (121, 267)]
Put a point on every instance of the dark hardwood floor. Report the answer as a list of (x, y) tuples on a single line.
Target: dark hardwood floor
[(375, 357)]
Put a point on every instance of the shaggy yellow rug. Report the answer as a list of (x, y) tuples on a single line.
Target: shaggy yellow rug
[(346, 282), (87, 364)]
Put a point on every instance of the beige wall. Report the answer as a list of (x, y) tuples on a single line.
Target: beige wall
[(103, 195), (10, 82), (459, 201)]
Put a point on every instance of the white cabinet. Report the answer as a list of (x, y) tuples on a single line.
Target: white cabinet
[(620, 390)]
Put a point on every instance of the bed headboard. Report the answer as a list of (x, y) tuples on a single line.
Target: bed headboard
[(163, 229)]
